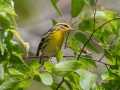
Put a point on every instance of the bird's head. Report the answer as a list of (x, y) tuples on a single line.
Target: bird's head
[(63, 27)]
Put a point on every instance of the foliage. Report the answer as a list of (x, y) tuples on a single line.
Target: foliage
[(16, 75)]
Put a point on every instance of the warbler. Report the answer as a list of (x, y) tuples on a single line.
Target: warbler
[(53, 39)]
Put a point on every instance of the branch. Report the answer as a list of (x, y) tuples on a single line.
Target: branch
[(43, 57), (69, 56), (93, 33), (60, 84)]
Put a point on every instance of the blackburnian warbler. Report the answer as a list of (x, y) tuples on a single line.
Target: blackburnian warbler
[(53, 39)]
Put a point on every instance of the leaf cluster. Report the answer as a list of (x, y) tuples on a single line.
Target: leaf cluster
[(77, 74)]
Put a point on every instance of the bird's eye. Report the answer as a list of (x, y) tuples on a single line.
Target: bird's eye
[(66, 26)]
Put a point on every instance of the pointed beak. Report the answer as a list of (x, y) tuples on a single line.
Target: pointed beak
[(72, 29)]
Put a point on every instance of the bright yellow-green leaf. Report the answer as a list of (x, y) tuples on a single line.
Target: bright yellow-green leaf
[(18, 36), (59, 55), (6, 7)]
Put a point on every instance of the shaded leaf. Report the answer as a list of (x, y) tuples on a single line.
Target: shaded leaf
[(37, 78), (23, 84), (83, 39), (74, 79), (23, 69), (88, 63), (4, 20), (16, 58), (109, 76), (2, 44), (55, 85), (110, 58), (1, 72), (8, 84)]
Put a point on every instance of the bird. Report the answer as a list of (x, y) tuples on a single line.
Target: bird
[(53, 39)]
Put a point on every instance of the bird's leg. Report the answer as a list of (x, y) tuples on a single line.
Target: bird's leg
[(41, 58), (50, 59)]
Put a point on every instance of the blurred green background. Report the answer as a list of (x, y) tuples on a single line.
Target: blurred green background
[(34, 19)]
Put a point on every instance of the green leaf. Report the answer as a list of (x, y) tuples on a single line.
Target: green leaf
[(110, 58), (55, 85), (34, 66), (13, 71), (6, 7), (23, 69), (18, 36), (54, 22), (72, 43), (55, 7), (76, 7), (55, 1), (8, 84), (74, 79), (16, 58), (112, 25), (2, 40), (65, 68), (87, 79), (88, 15), (37, 78), (88, 63), (48, 66), (59, 55), (4, 20), (1, 72), (46, 78), (109, 76), (90, 2), (83, 39), (23, 84)]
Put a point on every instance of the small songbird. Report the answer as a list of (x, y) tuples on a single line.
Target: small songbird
[(53, 39)]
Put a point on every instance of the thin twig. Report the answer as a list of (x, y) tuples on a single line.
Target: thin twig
[(93, 33), (66, 40), (106, 50), (71, 21), (106, 66), (60, 84), (75, 22)]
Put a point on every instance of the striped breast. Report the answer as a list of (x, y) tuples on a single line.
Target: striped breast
[(54, 40)]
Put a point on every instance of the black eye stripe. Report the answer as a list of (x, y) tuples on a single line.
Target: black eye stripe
[(63, 26), (66, 26)]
